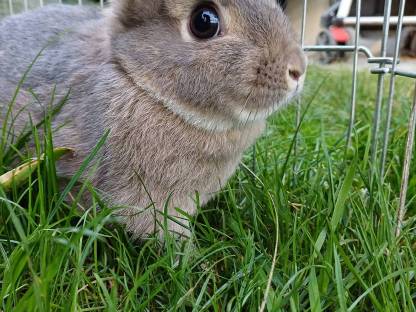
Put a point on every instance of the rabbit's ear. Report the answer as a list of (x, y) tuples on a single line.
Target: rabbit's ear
[(130, 13)]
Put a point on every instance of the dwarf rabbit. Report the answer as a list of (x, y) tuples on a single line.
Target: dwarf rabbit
[(183, 88)]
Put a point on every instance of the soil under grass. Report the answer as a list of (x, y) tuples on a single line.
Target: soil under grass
[(333, 228)]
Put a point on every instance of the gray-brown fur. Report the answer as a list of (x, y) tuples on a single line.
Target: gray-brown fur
[(172, 105)]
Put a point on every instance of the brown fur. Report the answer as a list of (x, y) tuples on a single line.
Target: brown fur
[(180, 111)]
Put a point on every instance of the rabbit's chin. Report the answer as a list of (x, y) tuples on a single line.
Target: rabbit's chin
[(263, 110)]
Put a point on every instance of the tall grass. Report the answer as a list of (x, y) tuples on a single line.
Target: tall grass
[(304, 232)]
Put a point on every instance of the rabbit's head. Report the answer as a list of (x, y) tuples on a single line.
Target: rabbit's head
[(216, 63)]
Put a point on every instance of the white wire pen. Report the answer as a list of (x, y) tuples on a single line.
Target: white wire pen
[(355, 74), (380, 83), (392, 87)]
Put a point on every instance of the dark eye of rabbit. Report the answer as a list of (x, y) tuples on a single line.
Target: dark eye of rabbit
[(205, 22)]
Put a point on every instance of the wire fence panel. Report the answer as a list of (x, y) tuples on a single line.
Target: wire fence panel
[(11, 7), (383, 61), (392, 87), (406, 167), (386, 66), (355, 74)]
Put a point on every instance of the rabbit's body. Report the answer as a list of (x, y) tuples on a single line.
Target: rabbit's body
[(177, 125)]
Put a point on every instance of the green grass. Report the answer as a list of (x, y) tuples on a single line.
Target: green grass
[(304, 233)]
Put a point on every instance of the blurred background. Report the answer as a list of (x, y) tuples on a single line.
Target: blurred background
[(333, 22)]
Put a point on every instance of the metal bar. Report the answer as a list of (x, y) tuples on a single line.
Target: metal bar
[(381, 60), (101, 4), (392, 88), (349, 48), (377, 20), (355, 75), (11, 7), (380, 86), (382, 70), (25, 5), (344, 8), (299, 100), (398, 72), (302, 37), (401, 211), (302, 40), (404, 73)]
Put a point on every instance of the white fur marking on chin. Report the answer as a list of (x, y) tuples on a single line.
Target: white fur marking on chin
[(192, 117), (246, 115), (197, 119)]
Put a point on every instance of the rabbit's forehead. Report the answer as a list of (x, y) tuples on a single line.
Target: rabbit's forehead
[(181, 8)]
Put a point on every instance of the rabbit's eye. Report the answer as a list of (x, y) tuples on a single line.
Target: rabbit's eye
[(205, 22)]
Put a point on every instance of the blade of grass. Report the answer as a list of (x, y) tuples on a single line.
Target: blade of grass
[(339, 282), (313, 289), (20, 175), (82, 169), (343, 195)]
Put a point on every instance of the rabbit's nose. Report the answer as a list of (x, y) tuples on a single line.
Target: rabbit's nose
[(296, 68), (295, 74)]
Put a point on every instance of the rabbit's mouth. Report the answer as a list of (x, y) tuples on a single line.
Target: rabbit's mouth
[(259, 105)]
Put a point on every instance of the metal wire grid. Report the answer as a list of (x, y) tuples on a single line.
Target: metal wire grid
[(13, 8), (386, 66)]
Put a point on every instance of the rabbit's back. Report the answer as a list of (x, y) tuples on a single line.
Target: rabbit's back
[(23, 36), (68, 41)]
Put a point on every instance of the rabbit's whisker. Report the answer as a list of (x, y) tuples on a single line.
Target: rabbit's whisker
[(244, 108)]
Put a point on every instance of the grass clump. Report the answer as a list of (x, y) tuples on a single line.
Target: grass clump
[(305, 232)]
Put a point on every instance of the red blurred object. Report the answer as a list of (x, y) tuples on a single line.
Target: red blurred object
[(340, 34)]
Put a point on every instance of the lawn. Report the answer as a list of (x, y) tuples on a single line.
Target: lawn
[(305, 232)]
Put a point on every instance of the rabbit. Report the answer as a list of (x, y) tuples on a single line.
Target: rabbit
[(183, 87)]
